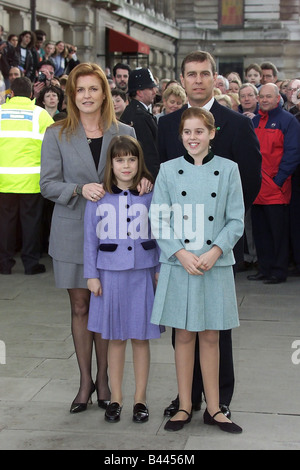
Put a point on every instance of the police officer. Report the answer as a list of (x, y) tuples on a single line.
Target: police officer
[(141, 89), (22, 128)]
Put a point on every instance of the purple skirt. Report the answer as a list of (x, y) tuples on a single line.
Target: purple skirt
[(124, 309)]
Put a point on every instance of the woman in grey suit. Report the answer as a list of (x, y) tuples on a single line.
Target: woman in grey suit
[(73, 161)]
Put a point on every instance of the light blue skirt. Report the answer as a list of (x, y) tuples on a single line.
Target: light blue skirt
[(196, 303)]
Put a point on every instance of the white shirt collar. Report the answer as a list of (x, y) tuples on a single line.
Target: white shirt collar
[(208, 105)]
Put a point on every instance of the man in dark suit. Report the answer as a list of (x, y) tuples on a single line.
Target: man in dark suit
[(141, 88), (236, 140)]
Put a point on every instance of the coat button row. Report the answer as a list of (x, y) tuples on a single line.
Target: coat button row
[(183, 193), (181, 172), (188, 241), (210, 218)]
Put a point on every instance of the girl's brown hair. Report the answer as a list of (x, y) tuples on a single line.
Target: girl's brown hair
[(200, 113), (106, 115), (121, 146)]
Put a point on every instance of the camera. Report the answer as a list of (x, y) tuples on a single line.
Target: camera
[(42, 77)]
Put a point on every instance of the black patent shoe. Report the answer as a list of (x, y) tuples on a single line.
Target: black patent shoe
[(103, 403), (113, 412), (225, 410), (172, 409), (140, 413), (177, 425), (224, 426), (79, 407)]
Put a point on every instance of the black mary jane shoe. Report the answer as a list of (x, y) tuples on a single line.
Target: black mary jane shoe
[(113, 412), (176, 425), (103, 403), (140, 413), (79, 407), (224, 426)]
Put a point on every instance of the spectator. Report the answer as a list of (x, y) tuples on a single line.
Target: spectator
[(279, 135), (234, 86), (174, 98), (223, 84), (224, 100), (120, 101), (43, 76), (71, 59), (49, 50), (141, 88), (8, 57), (293, 86), (248, 99), (26, 42), (20, 157), (49, 99), (235, 102), (121, 75), (13, 40), (253, 75), (59, 58)]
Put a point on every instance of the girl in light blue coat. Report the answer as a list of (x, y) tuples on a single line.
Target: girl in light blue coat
[(197, 217)]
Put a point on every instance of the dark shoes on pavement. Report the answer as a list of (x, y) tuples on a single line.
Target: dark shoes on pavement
[(172, 409), (37, 269), (267, 280), (113, 413)]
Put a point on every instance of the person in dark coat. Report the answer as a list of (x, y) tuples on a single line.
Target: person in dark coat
[(8, 57), (141, 88), (236, 140)]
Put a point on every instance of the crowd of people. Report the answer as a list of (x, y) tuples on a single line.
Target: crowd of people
[(102, 138)]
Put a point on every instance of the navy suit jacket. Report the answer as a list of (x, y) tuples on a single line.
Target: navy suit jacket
[(235, 139)]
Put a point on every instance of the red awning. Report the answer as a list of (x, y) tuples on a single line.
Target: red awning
[(120, 42)]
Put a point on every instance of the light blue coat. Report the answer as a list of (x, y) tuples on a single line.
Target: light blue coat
[(208, 208)]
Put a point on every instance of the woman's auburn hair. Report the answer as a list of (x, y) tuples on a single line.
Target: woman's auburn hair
[(107, 113), (120, 146)]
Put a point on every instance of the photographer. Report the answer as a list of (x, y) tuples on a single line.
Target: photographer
[(44, 75)]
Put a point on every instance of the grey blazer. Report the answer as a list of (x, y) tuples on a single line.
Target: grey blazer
[(64, 164)]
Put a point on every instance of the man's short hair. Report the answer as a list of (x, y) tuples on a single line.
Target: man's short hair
[(22, 86), (199, 56), (119, 65), (269, 66)]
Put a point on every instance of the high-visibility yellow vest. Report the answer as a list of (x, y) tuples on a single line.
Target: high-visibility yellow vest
[(22, 129)]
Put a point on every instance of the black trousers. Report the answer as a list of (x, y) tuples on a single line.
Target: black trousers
[(226, 373), (270, 225), (26, 209), (295, 221)]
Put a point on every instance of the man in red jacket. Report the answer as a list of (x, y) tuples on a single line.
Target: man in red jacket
[(278, 133)]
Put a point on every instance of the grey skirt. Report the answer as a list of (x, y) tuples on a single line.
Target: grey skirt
[(68, 275)]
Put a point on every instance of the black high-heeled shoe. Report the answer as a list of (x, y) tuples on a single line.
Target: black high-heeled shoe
[(224, 426), (79, 407)]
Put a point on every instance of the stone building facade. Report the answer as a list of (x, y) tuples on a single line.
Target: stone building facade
[(159, 33)]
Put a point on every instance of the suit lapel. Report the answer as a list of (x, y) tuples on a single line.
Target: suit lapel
[(107, 136)]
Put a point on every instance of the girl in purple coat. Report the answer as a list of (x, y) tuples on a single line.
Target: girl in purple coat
[(119, 258)]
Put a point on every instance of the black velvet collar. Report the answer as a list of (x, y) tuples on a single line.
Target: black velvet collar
[(117, 190), (206, 159)]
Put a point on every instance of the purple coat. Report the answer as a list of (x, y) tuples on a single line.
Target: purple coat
[(117, 234)]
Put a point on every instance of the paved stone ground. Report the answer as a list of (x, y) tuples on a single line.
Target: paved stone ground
[(40, 377)]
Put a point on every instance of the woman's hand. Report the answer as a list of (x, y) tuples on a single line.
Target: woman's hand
[(93, 191), (207, 260), (189, 261), (144, 186), (94, 285)]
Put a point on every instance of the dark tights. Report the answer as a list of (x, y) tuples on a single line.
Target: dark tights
[(83, 342)]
